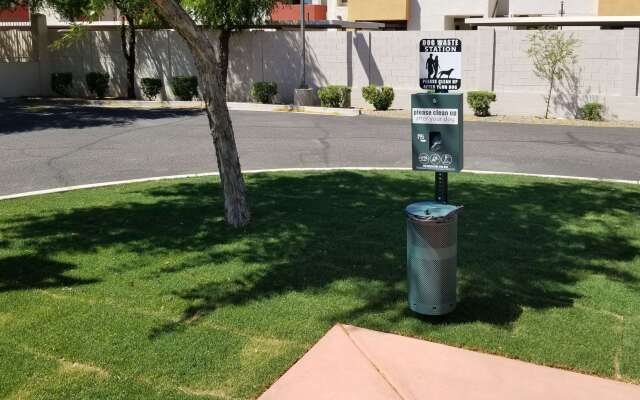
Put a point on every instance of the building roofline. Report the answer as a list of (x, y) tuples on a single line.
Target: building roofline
[(324, 24), (613, 21)]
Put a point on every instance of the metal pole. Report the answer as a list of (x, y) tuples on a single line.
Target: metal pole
[(442, 178), (442, 187), (303, 81)]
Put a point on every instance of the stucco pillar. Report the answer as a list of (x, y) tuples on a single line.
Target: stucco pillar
[(630, 61), (40, 40)]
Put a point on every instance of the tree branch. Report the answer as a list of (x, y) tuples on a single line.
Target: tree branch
[(197, 40)]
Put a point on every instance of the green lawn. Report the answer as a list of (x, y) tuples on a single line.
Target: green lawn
[(141, 291)]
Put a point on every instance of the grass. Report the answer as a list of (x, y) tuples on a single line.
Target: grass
[(141, 291)]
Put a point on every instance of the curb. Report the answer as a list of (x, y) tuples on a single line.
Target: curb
[(404, 114), (259, 171), (342, 112), (232, 105), (568, 177)]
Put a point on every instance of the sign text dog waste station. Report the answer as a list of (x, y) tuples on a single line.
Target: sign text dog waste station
[(441, 64)]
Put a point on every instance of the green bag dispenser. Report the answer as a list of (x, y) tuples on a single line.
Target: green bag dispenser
[(437, 132), (432, 226)]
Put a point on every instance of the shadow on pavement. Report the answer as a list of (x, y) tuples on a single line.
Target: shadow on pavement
[(25, 117)]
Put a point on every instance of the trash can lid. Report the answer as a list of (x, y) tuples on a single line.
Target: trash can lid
[(432, 210)]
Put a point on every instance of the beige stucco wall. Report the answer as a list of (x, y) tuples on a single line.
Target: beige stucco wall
[(379, 10), (619, 7)]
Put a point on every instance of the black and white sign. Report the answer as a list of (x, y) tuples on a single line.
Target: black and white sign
[(441, 64)]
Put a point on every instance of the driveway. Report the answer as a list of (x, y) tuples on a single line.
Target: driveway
[(52, 146)]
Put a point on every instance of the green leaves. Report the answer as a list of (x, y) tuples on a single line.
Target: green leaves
[(552, 54), (216, 14), (229, 14), (381, 98), (481, 101)]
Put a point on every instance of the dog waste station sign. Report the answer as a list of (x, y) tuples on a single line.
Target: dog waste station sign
[(437, 145), (436, 118), (441, 64)]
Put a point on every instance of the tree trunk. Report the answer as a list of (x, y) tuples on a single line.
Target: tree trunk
[(213, 88), (546, 114), (128, 40)]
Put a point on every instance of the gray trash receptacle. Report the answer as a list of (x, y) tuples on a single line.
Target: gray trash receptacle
[(432, 257)]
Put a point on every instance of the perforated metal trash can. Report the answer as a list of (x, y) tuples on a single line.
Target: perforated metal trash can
[(432, 257)]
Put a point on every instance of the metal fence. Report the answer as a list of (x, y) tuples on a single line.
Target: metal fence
[(16, 42), (15, 25)]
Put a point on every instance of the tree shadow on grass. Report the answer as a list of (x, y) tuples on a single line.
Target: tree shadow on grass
[(523, 242), (25, 117), (32, 272)]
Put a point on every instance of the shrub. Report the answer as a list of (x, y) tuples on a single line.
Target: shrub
[(335, 96), (61, 83), (380, 98), (263, 92), (481, 101), (151, 87), (185, 87), (591, 112), (98, 83)]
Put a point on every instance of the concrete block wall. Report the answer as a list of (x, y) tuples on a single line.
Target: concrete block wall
[(98, 51), (153, 59), (19, 79), (607, 67), (597, 74)]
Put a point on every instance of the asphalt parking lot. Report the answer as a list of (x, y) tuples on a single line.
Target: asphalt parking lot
[(45, 147)]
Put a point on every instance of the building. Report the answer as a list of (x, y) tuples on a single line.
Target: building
[(22, 14), (315, 11), (438, 15), (395, 14), (435, 15), (580, 14), (17, 14)]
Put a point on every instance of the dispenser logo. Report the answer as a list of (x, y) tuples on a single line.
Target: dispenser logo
[(447, 160), (435, 161)]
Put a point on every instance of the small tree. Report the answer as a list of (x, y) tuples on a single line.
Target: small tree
[(552, 53), (193, 19), (134, 13)]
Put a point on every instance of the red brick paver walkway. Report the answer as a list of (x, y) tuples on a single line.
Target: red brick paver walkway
[(353, 363)]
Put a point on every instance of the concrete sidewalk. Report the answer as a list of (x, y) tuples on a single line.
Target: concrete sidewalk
[(354, 363)]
